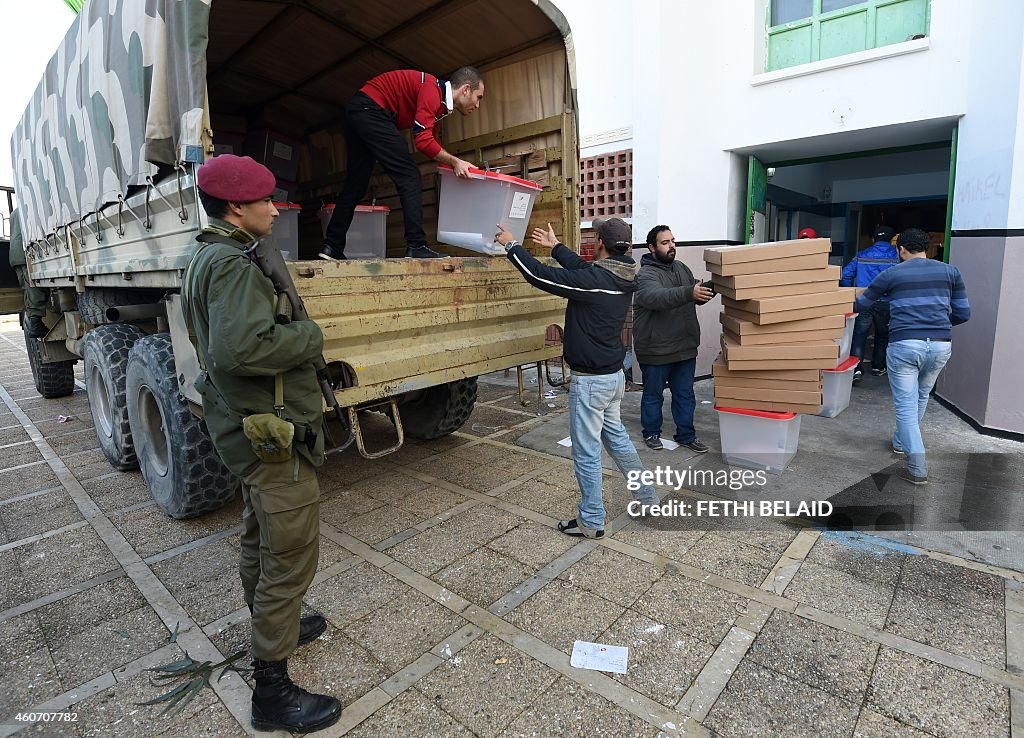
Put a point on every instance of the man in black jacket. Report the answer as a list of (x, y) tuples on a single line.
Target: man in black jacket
[(666, 336), (599, 294)]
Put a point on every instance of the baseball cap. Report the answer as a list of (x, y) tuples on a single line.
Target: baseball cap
[(615, 233), (884, 233)]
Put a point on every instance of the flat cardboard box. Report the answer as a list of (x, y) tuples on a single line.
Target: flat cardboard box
[(780, 290), (763, 394), (767, 251), (772, 279), (720, 369), (840, 296), (763, 339), (834, 323), (774, 407), (788, 316), (779, 384), (788, 264), (827, 350)]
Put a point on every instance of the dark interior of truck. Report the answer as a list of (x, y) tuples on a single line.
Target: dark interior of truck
[(280, 73)]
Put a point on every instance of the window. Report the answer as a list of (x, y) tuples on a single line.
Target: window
[(802, 31)]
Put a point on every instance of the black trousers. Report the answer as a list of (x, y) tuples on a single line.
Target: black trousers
[(371, 136)]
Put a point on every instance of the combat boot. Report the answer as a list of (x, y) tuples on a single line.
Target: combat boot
[(35, 327), (278, 704)]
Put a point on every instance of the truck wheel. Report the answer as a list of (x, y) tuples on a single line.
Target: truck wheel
[(439, 410), (106, 363), (176, 455), (51, 380), (93, 303)]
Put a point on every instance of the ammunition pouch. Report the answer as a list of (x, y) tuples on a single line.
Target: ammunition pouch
[(270, 436)]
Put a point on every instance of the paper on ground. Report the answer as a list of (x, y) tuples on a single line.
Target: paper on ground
[(567, 442), (599, 657), (669, 445)]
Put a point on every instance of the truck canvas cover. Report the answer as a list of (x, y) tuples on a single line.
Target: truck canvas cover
[(112, 109)]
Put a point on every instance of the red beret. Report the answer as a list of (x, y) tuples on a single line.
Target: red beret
[(236, 178)]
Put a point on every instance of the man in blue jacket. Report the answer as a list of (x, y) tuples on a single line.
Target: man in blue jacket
[(599, 295), (928, 298), (860, 272)]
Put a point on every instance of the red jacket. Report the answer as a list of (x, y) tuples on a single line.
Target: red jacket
[(417, 100)]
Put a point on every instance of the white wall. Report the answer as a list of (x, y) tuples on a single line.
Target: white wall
[(696, 101)]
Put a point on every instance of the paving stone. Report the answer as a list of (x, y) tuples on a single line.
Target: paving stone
[(91, 470), (859, 597), (26, 453), (29, 680), (568, 710), (949, 625), (489, 419), (62, 621), (11, 435), (395, 488), (150, 531), (487, 391), (410, 714), (71, 443), (116, 713), (330, 553), (871, 724), (672, 544), (760, 702), (20, 635), (730, 558), (822, 657), (39, 514), (513, 435), (533, 544), (958, 584), (52, 564), (15, 589), (110, 645), (483, 576), (118, 491), (411, 454), (341, 506), (696, 607), (17, 482), (345, 469), (205, 581), (354, 593), (937, 699), (561, 613), (444, 443), (336, 665), (663, 659), (429, 502), (433, 549), (879, 565), (485, 468), (379, 524), (404, 629), (612, 575), (481, 694), (538, 495)]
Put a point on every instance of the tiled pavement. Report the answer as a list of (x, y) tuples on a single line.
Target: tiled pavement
[(453, 604)]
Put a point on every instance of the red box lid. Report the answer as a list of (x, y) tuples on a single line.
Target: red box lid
[(445, 169), (756, 413), (845, 366)]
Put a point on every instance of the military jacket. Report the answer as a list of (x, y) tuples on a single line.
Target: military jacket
[(229, 307)]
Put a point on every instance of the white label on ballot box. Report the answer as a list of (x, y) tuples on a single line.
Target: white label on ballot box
[(520, 204), (282, 151)]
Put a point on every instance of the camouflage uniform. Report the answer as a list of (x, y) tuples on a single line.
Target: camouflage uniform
[(229, 307), (35, 297)]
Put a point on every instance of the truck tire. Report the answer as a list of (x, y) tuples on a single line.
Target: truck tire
[(439, 410), (106, 362), (51, 380), (176, 455), (93, 303)]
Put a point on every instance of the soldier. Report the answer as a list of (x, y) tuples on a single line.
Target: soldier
[(35, 297), (253, 367)]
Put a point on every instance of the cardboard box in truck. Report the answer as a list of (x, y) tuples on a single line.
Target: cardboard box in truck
[(789, 263)]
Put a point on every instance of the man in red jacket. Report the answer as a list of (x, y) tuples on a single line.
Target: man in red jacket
[(387, 104)]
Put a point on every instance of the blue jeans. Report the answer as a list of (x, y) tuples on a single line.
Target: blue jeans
[(679, 376), (913, 368), (877, 316), (594, 420)]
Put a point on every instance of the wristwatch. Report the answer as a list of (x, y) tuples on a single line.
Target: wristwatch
[(510, 244)]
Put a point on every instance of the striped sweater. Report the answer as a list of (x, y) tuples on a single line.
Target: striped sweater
[(927, 298)]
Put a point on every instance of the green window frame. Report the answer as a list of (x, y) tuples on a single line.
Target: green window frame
[(865, 25)]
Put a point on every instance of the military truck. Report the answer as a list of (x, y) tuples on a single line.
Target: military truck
[(139, 94)]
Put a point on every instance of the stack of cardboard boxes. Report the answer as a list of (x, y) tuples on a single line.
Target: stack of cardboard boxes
[(784, 311)]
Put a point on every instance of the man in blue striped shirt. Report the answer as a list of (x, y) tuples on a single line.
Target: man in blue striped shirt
[(927, 298)]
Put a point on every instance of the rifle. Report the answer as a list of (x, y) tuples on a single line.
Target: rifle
[(265, 254)]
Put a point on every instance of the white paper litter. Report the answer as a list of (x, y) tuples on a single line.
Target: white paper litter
[(567, 442), (599, 657), (669, 445)]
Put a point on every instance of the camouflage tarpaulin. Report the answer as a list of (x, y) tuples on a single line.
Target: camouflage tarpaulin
[(125, 91)]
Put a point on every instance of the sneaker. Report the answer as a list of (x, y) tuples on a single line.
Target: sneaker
[(898, 451), (576, 529), (906, 476), (857, 375), (653, 442), (696, 446), (332, 253), (423, 252), (880, 372)]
